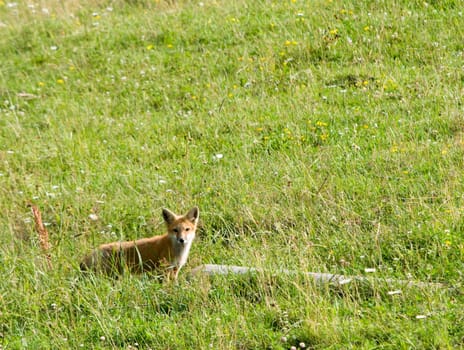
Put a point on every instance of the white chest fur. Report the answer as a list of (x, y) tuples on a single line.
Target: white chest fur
[(181, 251)]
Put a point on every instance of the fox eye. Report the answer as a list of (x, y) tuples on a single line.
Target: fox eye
[(176, 230), (187, 229)]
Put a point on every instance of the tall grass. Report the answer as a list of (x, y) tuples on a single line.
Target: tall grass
[(314, 136)]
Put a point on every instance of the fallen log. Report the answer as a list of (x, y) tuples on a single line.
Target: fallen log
[(318, 277)]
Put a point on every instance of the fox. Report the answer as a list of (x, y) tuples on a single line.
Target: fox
[(168, 252)]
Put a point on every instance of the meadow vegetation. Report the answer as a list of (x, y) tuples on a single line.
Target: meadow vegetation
[(319, 135)]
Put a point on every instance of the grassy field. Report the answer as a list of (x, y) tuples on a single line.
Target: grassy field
[(314, 136)]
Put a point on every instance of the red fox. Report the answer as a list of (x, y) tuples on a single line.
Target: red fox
[(169, 251)]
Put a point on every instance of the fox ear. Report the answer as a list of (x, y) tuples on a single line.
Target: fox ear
[(168, 216), (193, 215)]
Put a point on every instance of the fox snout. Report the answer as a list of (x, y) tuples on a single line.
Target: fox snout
[(181, 240)]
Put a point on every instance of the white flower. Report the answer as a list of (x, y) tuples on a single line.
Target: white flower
[(394, 292), (93, 217)]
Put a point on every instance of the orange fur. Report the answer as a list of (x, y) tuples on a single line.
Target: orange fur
[(169, 251)]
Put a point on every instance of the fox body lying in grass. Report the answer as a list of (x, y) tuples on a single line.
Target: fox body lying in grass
[(169, 251)]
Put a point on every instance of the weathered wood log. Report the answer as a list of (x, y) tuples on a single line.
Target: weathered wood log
[(320, 278)]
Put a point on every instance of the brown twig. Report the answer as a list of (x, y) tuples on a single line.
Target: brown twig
[(43, 234)]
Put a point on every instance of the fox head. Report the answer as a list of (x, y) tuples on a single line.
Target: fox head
[(181, 229)]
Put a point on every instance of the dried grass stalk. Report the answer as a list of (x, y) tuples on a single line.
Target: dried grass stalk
[(43, 234)]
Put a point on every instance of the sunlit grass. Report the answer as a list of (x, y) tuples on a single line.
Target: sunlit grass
[(314, 136)]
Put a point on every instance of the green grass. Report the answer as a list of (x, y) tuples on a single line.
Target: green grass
[(341, 130)]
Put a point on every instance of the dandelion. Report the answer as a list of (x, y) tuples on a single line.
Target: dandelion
[(150, 47), (60, 81), (333, 32), (41, 83), (169, 46), (366, 28), (321, 124)]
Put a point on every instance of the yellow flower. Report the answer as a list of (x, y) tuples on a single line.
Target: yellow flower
[(60, 81), (333, 31), (41, 83), (366, 28), (150, 47), (319, 123), (169, 46)]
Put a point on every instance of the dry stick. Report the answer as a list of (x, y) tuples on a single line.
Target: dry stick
[(322, 278), (43, 234)]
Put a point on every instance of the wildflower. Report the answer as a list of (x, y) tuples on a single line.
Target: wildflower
[(366, 28), (40, 83), (394, 292), (319, 123), (369, 269), (93, 217), (150, 47), (60, 81), (333, 31), (169, 46), (420, 317)]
